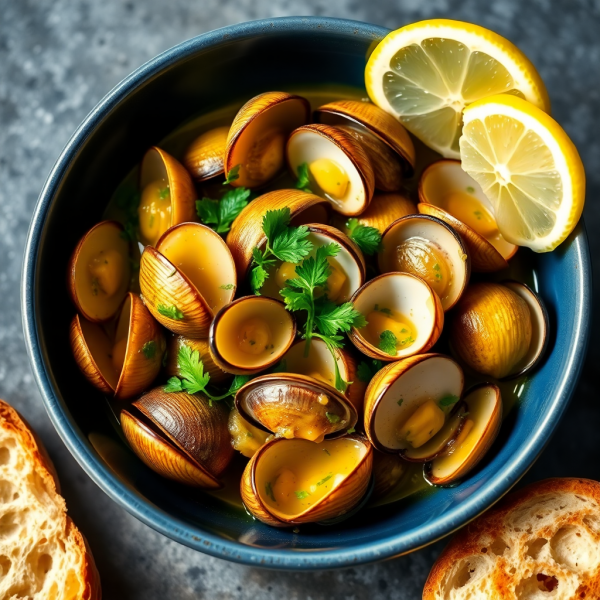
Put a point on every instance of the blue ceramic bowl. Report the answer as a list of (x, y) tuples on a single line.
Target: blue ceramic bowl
[(229, 65)]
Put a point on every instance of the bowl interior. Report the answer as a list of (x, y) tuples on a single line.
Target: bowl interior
[(200, 75)]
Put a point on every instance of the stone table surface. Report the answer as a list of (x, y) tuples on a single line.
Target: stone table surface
[(59, 57)]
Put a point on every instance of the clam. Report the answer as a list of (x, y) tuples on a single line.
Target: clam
[(175, 342), (257, 137), (381, 213), (125, 364), (413, 408), (347, 267), (177, 431), (187, 278), (494, 331), (245, 438), (481, 426), (388, 470), (402, 313), (431, 249), (338, 166), (250, 335), (384, 139), (449, 193), (99, 271), (290, 482), (246, 231), (320, 366), (168, 195), (295, 406), (204, 156)]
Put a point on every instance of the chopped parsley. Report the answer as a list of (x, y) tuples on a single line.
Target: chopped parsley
[(385, 311), (149, 349), (470, 189), (368, 239), (303, 182), (220, 214), (234, 173), (163, 194), (388, 342), (332, 417), (325, 479), (351, 430), (227, 286), (269, 490), (171, 312), (366, 370), (399, 403), (301, 494), (448, 400)]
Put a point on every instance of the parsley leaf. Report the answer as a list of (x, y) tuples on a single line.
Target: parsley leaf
[(332, 318), (171, 312), (325, 479), (227, 286), (368, 239), (238, 382), (332, 417), (387, 342), (366, 371), (269, 490), (448, 400), (149, 349), (301, 494), (220, 214), (164, 193), (234, 173), (303, 182)]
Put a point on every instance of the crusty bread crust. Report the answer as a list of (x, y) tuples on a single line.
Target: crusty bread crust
[(540, 542), (20, 574)]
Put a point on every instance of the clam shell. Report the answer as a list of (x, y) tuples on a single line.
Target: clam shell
[(271, 110), (484, 404), (246, 231), (412, 380), (442, 236), (338, 501), (388, 470), (162, 457), (175, 342), (204, 156), (344, 149), (227, 322), (80, 280), (407, 295)]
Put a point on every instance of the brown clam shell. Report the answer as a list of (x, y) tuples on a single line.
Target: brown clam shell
[(204, 156)]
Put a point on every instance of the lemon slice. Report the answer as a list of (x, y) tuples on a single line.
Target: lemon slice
[(527, 166), (427, 72)]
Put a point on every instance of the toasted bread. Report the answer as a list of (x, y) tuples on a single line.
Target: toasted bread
[(539, 543), (42, 553)]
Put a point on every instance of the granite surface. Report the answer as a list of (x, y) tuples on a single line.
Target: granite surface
[(59, 57)]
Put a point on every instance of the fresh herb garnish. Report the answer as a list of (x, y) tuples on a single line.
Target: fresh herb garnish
[(280, 367), (388, 342), (448, 400), (384, 310), (269, 491), (220, 214), (164, 193), (399, 403), (234, 173), (303, 182), (149, 349), (366, 370), (227, 286), (332, 417), (470, 189), (286, 243), (351, 430), (325, 479), (368, 239), (171, 312), (301, 494)]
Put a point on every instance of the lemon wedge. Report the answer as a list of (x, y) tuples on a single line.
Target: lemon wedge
[(426, 73), (527, 166)]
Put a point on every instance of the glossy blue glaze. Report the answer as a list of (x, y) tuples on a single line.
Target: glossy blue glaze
[(213, 69)]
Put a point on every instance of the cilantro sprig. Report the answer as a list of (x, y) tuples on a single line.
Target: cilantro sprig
[(303, 182), (368, 239), (220, 214), (193, 379), (284, 242)]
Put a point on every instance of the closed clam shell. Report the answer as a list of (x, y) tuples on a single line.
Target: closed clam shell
[(484, 405), (388, 470), (342, 493), (258, 134), (174, 344), (246, 231), (190, 423), (491, 329), (293, 405), (204, 156), (162, 457)]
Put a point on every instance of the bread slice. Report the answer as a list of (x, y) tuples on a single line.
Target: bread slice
[(540, 543), (42, 554)]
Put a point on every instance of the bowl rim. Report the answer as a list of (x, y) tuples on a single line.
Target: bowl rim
[(396, 545)]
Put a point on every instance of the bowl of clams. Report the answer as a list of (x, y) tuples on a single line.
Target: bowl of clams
[(308, 293)]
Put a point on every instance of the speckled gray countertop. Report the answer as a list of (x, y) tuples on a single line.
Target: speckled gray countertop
[(59, 57)]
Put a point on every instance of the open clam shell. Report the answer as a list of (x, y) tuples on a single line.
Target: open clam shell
[(257, 137), (250, 335), (175, 343), (350, 186), (204, 156), (245, 438), (449, 193), (126, 365), (481, 427), (492, 329), (99, 271), (187, 278), (289, 482), (431, 249), (246, 231), (168, 195), (409, 404), (403, 305), (295, 406), (348, 269), (320, 366)]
